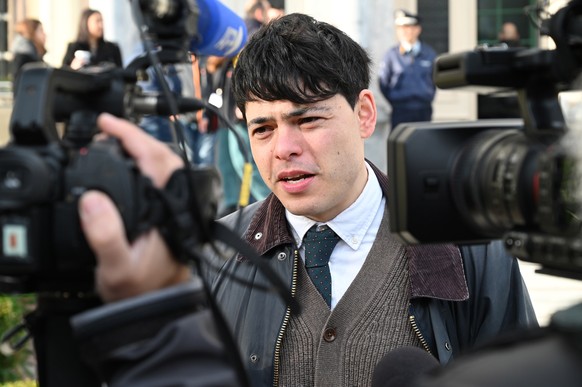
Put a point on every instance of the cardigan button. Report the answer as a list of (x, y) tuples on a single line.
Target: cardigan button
[(329, 335)]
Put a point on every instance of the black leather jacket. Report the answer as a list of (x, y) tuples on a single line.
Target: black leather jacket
[(460, 298), (461, 295)]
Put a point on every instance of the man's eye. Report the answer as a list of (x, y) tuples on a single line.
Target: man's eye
[(260, 131), (308, 120)]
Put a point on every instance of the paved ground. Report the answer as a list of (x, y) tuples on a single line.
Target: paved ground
[(5, 109), (4, 121), (549, 293)]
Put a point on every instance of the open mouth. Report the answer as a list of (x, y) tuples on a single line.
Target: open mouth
[(295, 179)]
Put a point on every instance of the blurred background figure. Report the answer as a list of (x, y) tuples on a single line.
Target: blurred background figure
[(192, 80), (274, 13), (504, 103), (256, 15), (217, 142), (158, 126), (28, 46), (214, 142), (91, 48), (405, 74), (509, 35), (208, 78)]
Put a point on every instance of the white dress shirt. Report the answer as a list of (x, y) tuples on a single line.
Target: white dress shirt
[(357, 227)]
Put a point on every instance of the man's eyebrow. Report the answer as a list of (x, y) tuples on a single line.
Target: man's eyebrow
[(298, 112), (258, 121), (304, 110)]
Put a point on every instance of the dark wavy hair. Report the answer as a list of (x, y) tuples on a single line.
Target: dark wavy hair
[(302, 60)]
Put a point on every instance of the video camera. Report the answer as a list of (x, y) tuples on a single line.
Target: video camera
[(515, 179), (44, 169)]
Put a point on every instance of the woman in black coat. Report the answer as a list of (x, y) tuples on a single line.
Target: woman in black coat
[(91, 48), (28, 46)]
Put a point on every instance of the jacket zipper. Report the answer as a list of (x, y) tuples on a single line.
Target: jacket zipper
[(416, 330), (277, 360)]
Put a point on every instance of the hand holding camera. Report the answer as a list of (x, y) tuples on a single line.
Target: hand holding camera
[(123, 269)]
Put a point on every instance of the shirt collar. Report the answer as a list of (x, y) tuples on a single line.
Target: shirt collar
[(350, 225), (442, 265)]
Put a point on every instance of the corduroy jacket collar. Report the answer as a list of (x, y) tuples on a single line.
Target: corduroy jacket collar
[(436, 271)]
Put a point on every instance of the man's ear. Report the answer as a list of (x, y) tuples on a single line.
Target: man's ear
[(367, 113)]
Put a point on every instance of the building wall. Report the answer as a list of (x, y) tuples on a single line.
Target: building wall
[(58, 17), (368, 21)]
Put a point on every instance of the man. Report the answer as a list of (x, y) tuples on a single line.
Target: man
[(509, 34), (502, 103), (256, 15), (302, 86), (405, 74)]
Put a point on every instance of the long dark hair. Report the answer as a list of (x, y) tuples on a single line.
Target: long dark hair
[(83, 33)]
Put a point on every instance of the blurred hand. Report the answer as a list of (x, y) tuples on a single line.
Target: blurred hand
[(125, 270), (203, 125), (77, 63)]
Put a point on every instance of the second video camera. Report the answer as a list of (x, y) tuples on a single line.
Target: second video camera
[(469, 182)]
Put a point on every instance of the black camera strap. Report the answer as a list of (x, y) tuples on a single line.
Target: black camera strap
[(186, 225)]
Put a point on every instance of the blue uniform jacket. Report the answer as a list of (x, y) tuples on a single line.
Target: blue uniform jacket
[(408, 78)]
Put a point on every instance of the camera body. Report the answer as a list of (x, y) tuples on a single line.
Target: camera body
[(510, 179), (428, 193), (43, 175), (46, 167)]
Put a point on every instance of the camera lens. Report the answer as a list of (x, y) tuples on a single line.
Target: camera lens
[(495, 179), (559, 201)]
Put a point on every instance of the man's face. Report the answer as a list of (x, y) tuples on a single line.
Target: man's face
[(408, 34), (312, 156)]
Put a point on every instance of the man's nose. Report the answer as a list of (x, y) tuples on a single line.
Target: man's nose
[(288, 141)]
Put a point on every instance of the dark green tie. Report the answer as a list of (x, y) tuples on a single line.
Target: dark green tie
[(318, 247)]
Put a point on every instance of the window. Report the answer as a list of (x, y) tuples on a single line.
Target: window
[(493, 13), (434, 16)]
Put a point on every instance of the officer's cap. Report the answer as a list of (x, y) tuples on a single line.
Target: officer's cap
[(405, 18)]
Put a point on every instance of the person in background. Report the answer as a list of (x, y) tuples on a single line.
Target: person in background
[(28, 46), (159, 126), (274, 13), (228, 155), (503, 103), (308, 115), (256, 15), (509, 34), (91, 48), (405, 74), (200, 130)]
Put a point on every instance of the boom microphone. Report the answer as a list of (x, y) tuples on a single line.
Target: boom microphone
[(221, 32), (400, 367)]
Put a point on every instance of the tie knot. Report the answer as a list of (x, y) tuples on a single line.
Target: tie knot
[(318, 246)]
